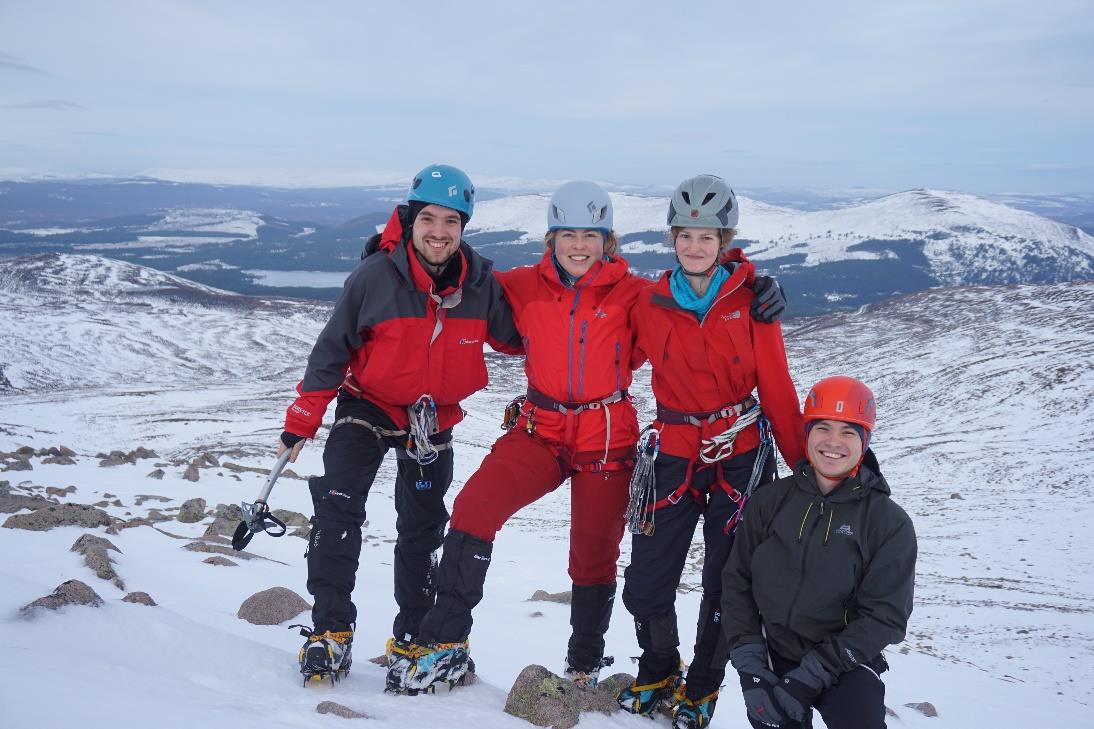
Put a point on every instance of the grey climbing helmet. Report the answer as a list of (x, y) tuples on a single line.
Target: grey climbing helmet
[(703, 201), (580, 204)]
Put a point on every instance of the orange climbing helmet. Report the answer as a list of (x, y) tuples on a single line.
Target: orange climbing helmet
[(841, 398)]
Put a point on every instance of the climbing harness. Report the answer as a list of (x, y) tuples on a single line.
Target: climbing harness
[(720, 447)]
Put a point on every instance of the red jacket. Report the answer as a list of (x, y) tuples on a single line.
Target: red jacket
[(578, 345), (704, 366), (392, 339)]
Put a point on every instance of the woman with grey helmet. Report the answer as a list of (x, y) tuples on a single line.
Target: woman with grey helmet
[(576, 422), (709, 447)]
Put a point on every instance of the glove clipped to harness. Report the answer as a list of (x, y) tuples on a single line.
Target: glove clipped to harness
[(757, 684), (770, 301), (801, 687)]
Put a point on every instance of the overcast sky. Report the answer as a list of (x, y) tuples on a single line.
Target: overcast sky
[(968, 95)]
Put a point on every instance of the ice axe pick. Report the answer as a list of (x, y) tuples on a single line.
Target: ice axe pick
[(256, 516)]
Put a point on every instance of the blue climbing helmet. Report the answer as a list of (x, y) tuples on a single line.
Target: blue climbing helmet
[(444, 185)]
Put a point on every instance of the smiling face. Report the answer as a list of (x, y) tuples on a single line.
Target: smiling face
[(834, 449), (577, 249), (436, 234), (697, 248)]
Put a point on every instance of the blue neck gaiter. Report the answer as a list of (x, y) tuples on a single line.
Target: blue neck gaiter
[(685, 295)]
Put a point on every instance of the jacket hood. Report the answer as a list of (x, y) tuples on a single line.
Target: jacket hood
[(391, 241), (869, 478), (742, 272)]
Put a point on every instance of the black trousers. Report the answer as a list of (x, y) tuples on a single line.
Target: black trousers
[(855, 701), (657, 562), (351, 459)]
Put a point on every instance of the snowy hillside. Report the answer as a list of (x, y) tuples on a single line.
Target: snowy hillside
[(985, 398), (82, 322)]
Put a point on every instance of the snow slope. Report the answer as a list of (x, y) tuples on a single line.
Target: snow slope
[(983, 392)]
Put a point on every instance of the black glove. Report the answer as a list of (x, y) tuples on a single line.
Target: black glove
[(757, 684), (770, 301), (290, 439), (801, 687)]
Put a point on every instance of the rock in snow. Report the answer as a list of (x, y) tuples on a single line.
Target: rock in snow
[(72, 592), (545, 699), (272, 607)]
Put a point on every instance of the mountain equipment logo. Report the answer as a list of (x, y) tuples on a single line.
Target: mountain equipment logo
[(452, 191), (731, 316), (845, 530), (469, 341), (600, 314)]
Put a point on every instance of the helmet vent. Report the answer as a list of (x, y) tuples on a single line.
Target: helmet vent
[(560, 216), (417, 183), (687, 198), (708, 198)]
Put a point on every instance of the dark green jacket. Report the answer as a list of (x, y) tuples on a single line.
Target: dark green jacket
[(831, 574)]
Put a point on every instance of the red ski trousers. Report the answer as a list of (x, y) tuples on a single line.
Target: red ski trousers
[(522, 468)]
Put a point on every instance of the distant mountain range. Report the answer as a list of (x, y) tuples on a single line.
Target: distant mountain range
[(302, 243)]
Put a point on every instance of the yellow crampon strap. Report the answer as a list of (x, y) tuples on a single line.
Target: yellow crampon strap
[(666, 681), (413, 650), (341, 636)]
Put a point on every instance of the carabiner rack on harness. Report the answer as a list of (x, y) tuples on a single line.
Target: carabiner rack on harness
[(423, 423), (643, 486), (766, 449), (512, 413), (720, 447)]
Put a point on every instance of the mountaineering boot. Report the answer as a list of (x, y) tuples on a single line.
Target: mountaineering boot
[(645, 699), (417, 668), (688, 714), (325, 654), (399, 657), (586, 678)]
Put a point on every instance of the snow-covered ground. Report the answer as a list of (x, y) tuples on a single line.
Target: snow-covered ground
[(983, 392)]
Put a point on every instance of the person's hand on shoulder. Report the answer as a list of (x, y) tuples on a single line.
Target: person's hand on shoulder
[(770, 301)]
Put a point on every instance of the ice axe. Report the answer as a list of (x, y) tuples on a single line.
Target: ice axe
[(256, 516)]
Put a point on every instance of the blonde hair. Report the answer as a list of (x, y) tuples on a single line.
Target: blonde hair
[(725, 235), (611, 243)]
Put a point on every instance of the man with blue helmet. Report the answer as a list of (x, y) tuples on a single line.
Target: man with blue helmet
[(402, 349)]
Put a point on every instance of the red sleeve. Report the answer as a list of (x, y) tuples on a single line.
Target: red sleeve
[(777, 394), (638, 356), (501, 330), (305, 415)]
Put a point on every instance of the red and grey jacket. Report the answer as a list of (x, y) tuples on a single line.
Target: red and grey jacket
[(578, 345), (705, 366), (391, 338)]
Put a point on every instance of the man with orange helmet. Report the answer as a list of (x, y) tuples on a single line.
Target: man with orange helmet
[(821, 577)]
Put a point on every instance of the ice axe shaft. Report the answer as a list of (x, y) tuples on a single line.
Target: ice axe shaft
[(256, 516)]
